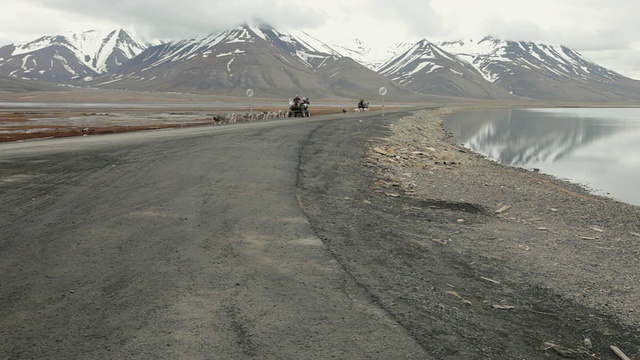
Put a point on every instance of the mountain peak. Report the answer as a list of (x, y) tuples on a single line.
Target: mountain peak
[(72, 55), (257, 24)]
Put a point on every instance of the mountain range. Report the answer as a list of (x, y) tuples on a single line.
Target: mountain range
[(270, 62), (71, 57), (277, 63)]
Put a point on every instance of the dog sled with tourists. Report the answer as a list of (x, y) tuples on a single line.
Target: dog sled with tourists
[(299, 107), (363, 105)]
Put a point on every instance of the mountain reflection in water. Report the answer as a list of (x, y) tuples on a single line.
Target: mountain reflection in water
[(599, 148)]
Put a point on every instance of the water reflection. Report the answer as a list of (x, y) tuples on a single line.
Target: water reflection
[(596, 147)]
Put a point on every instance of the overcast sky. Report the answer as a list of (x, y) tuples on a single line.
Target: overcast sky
[(607, 32)]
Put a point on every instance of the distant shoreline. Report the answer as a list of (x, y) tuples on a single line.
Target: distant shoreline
[(134, 111)]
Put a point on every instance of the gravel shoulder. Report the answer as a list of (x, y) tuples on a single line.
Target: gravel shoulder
[(475, 259), (552, 229)]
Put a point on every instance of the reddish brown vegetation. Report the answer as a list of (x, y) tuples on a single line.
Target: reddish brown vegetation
[(15, 126)]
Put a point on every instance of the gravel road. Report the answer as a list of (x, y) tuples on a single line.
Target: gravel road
[(174, 244), (350, 236)]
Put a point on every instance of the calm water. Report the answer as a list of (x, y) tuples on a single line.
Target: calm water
[(599, 148)]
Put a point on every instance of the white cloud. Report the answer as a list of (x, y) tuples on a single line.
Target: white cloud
[(169, 20)]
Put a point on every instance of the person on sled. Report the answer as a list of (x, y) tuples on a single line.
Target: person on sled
[(305, 106), (362, 105)]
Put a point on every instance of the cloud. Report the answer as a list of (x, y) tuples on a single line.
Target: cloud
[(623, 61), (14, 28), (418, 16), (513, 30), (169, 20)]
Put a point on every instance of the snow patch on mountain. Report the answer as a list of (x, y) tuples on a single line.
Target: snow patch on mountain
[(305, 47), (93, 48), (370, 56), (496, 59)]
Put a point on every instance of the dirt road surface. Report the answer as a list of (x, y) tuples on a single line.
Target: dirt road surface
[(175, 244), (269, 240)]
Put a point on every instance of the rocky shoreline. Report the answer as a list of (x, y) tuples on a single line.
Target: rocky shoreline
[(548, 231), (474, 259)]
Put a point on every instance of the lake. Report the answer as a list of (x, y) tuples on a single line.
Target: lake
[(596, 147)]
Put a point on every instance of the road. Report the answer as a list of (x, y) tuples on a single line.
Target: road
[(185, 243)]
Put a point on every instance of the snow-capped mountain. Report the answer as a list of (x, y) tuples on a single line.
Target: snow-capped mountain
[(540, 71), (498, 59), (269, 61), (426, 68), (75, 56), (502, 69)]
